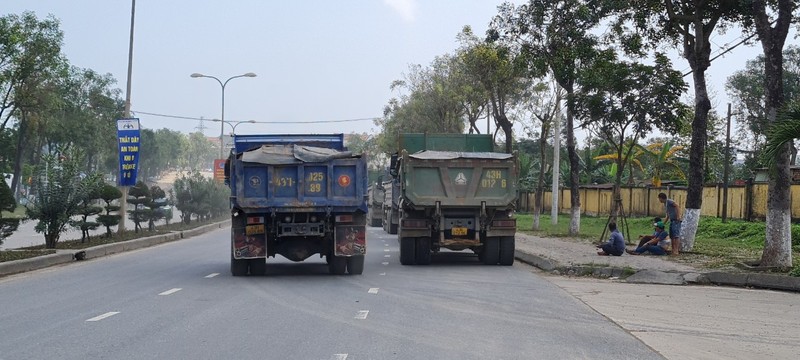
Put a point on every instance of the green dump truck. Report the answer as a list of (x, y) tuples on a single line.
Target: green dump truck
[(454, 193), (375, 204)]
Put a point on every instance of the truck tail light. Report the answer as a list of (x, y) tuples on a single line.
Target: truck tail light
[(255, 220), (344, 218), (504, 223), (414, 224)]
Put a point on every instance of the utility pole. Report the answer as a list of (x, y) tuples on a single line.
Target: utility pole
[(556, 161), (124, 201), (726, 171)]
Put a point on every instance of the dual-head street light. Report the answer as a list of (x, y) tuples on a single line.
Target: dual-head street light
[(222, 121)]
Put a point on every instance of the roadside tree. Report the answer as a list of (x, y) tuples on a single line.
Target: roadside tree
[(643, 25), (60, 187), (109, 194)]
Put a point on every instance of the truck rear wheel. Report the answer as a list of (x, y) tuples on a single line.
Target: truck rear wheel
[(491, 250), (258, 267), (392, 228), (376, 222), (423, 251), (238, 266), (355, 265), (407, 250), (507, 250), (337, 265)]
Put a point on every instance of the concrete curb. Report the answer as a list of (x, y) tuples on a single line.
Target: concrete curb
[(644, 276), (68, 256)]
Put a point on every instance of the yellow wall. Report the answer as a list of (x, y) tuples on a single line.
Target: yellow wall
[(644, 201)]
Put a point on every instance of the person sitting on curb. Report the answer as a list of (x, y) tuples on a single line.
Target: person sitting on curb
[(644, 239), (658, 245), (615, 245)]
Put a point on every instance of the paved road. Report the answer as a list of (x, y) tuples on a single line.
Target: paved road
[(178, 300)]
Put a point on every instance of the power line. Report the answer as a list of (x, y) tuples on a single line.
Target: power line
[(259, 122)]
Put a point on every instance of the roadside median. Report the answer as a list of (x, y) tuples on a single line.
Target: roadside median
[(72, 255)]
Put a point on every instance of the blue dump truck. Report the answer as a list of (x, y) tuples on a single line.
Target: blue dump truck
[(297, 196)]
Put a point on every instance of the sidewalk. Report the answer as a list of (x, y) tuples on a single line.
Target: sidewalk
[(562, 256)]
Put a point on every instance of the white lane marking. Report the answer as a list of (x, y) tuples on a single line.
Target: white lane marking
[(209, 276), (385, 263), (385, 250), (382, 274), (373, 290), (339, 357), (385, 244), (101, 317), (387, 255), (170, 291), (362, 314)]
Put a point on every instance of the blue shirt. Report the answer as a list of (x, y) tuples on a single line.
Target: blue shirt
[(617, 241)]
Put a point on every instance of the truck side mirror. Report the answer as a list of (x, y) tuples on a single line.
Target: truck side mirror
[(393, 165)]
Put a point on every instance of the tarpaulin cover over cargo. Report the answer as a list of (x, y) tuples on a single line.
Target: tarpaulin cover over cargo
[(298, 176)]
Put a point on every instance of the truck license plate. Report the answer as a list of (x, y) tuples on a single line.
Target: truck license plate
[(458, 231), (254, 229)]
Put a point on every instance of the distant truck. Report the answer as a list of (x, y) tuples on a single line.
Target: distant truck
[(375, 201), (454, 193), (297, 196), (391, 209)]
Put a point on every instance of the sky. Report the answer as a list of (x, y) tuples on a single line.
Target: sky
[(318, 61)]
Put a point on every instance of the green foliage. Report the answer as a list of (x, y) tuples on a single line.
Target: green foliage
[(795, 271), (201, 197), (60, 191), (139, 197), (109, 193), (782, 133), (432, 103)]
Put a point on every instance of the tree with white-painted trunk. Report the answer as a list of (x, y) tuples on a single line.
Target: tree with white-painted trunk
[(644, 25), (778, 242)]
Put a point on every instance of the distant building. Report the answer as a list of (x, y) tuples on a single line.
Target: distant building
[(762, 175)]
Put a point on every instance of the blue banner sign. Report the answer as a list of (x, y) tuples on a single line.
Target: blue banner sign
[(128, 136)]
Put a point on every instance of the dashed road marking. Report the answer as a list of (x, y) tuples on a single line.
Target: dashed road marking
[(387, 255), (382, 274), (339, 357), (385, 250), (362, 314), (209, 276), (385, 263), (170, 291), (106, 315), (385, 244), (373, 290)]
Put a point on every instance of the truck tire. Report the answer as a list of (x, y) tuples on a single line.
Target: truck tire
[(355, 265), (238, 266), (337, 265), (258, 267), (507, 250), (376, 222), (407, 250), (491, 250), (423, 251), (383, 222)]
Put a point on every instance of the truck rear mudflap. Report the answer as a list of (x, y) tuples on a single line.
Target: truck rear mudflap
[(250, 240), (350, 237)]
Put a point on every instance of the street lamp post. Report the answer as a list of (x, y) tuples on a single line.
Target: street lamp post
[(234, 124), (222, 121)]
